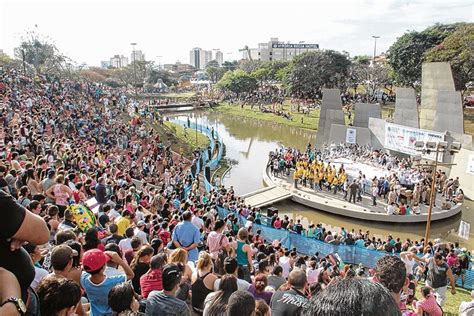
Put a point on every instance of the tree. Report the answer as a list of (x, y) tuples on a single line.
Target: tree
[(407, 53), (372, 77), (250, 66), (458, 49), (230, 65), (42, 54), (215, 73), (238, 81), (261, 74), (166, 77), (312, 71)]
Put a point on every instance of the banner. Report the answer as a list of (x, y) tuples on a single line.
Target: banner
[(351, 135), (470, 165), (402, 138), (464, 229)]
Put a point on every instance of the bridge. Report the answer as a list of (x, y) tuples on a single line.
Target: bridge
[(266, 196)]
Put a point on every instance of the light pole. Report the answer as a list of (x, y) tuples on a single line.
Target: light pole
[(375, 47), (440, 147), (134, 67)]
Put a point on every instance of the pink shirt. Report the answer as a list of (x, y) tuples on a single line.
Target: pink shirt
[(216, 242), (430, 306)]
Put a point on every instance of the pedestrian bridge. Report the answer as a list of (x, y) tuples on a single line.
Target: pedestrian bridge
[(266, 196)]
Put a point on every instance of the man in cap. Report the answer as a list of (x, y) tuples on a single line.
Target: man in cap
[(164, 302), (140, 233), (94, 281)]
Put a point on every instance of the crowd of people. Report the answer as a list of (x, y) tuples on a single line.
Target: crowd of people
[(402, 185), (153, 246)]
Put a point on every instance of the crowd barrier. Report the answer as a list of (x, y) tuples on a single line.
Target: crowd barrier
[(310, 246)]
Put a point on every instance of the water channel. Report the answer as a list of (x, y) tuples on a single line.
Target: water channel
[(248, 142)]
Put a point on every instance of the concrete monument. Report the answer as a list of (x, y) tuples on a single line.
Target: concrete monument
[(365, 110), (331, 101), (406, 109), (434, 77), (449, 112)]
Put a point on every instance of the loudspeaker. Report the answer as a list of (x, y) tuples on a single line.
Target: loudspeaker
[(271, 211)]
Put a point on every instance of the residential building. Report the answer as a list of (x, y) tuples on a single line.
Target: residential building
[(219, 57), (179, 67), (118, 61), (277, 50), (139, 56), (199, 58)]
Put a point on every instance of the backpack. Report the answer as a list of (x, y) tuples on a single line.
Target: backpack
[(221, 256)]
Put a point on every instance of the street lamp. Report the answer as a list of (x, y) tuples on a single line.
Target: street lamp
[(375, 46), (134, 67), (439, 147)]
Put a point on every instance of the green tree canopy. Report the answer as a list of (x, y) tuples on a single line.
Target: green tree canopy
[(238, 81), (310, 72), (458, 49), (406, 55)]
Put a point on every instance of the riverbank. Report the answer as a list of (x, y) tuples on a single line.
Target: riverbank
[(305, 121), (188, 136)]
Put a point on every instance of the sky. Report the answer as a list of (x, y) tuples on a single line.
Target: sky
[(90, 31)]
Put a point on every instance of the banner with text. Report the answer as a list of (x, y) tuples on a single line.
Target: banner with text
[(402, 138), (470, 165), (351, 134)]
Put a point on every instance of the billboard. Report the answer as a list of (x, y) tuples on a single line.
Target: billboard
[(351, 135), (296, 46), (402, 139)]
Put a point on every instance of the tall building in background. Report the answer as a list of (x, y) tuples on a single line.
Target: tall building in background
[(139, 56), (277, 50), (199, 58), (118, 61), (219, 57)]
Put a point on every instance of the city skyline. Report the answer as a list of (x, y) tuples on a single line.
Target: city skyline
[(91, 31)]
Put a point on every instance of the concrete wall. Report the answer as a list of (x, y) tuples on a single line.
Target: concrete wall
[(434, 77), (377, 130), (406, 109), (365, 110), (449, 112), (337, 134), (460, 170), (331, 101)]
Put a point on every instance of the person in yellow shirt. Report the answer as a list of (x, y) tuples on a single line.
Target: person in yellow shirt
[(296, 176), (124, 222)]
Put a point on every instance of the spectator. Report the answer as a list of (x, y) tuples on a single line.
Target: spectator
[(92, 240), (140, 233), (186, 235), (428, 305), (111, 268), (241, 303), (140, 265), (35, 254), (244, 255), (391, 272), (352, 297), (230, 268), (153, 279), (164, 302), (94, 281), (467, 308), (122, 300), (292, 301), (258, 288), (216, 302), (114, 237), (58, 296), (124, 222), (262, 308), (202, 281), (101, 191), (275, 279)]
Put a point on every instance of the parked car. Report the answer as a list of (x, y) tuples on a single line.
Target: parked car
[(469, 100)]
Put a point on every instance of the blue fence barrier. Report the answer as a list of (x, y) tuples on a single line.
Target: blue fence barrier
[(309, 246)]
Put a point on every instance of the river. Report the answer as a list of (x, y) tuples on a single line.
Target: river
[(248, 142)]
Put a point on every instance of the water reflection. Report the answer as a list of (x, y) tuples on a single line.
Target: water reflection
[(248, 142)]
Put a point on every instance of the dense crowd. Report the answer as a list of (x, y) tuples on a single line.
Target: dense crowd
[(65, 144)]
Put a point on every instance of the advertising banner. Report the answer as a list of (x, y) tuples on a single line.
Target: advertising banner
[(402, 139), (351, 135)]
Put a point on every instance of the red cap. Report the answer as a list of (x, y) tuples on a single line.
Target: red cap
[(94, 259)]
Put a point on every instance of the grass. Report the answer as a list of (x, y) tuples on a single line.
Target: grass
[(306, 121), (469, 121), (188, 136)]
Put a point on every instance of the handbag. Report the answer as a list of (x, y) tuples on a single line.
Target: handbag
[(221, 256)]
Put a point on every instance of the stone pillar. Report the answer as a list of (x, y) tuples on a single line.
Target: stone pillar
[(365, 110), (434, 77), (331, 101), (406, 109), (449, 112)]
